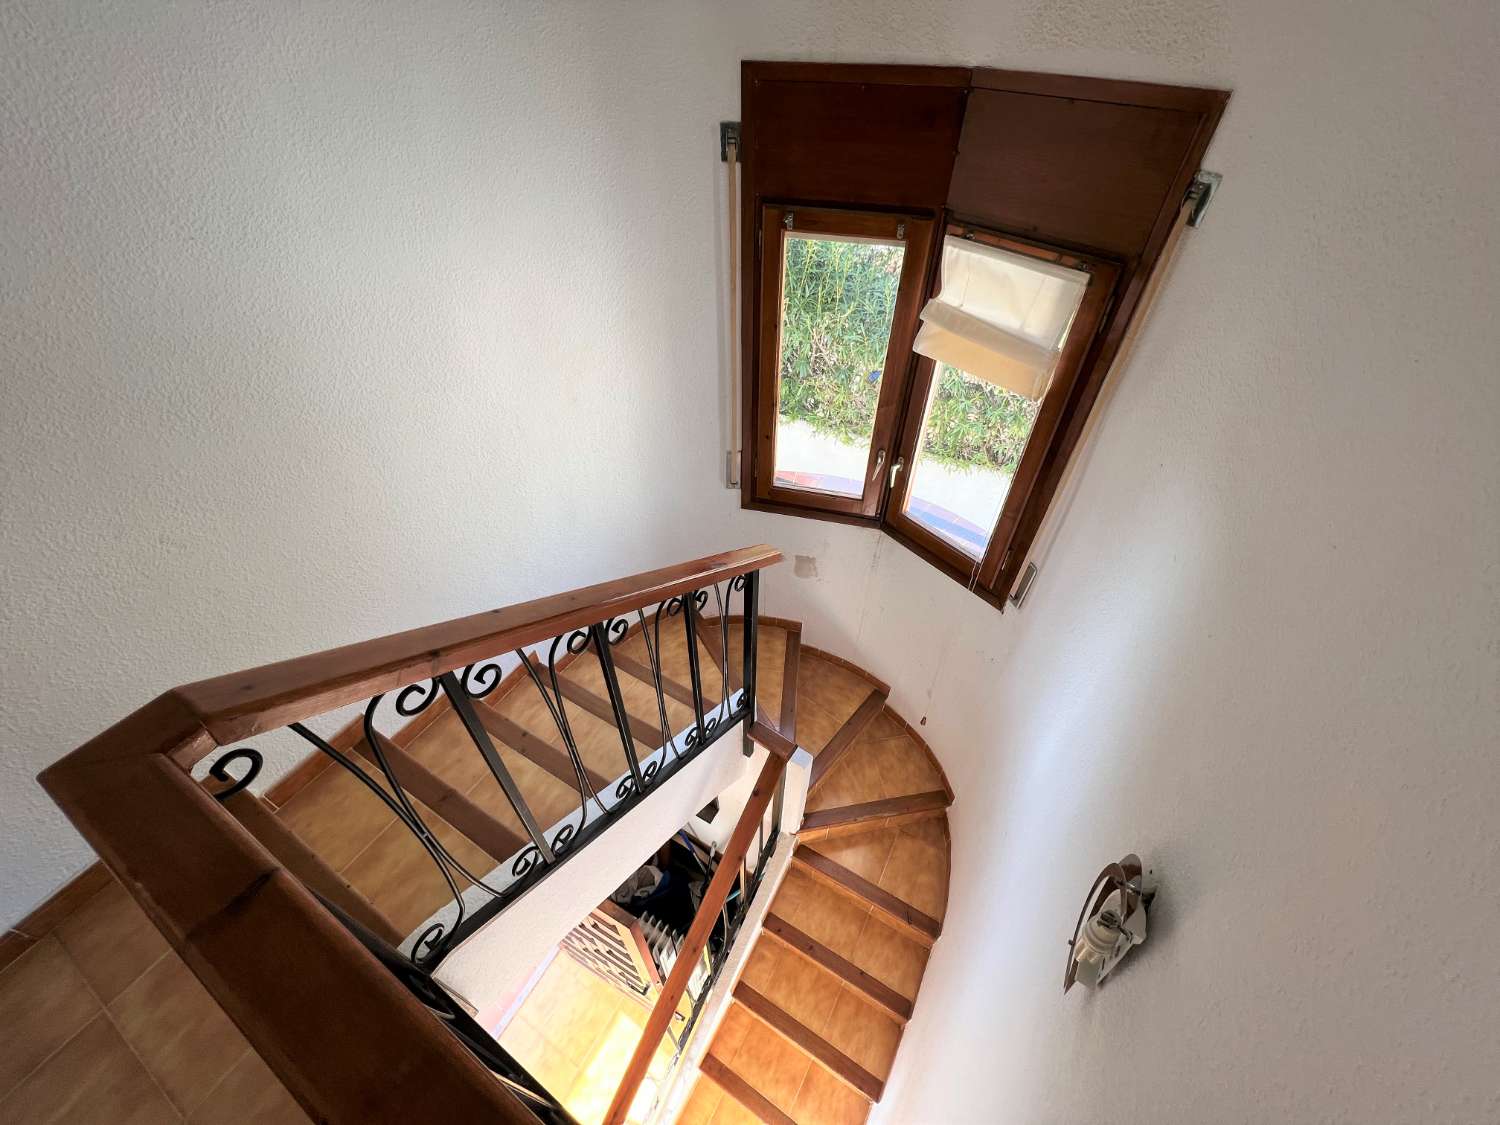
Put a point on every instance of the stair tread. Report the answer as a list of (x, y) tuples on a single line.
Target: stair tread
[(535, 749), (497, 839), (645, 731), (724, 1076), (597, 739), (874, 990), (877, 813), (844, 738), (824, 1053), (831, 873), (641, 670)]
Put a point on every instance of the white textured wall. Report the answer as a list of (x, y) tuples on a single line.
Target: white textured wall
[(274, 379), (320, 321), (1263, 650)]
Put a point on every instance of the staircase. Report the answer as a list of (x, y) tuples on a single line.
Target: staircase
[(817, 1013)]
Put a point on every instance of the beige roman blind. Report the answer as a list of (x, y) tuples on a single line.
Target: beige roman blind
[(999, 316)]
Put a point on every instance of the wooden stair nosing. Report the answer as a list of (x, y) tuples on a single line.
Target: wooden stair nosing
[(824, 1053), (911, 806), (536, 750), (722, 1075), (641, 671), (647, 733), (790, 664), (876, 991), (906, 917), (497, 839), (845, 736)]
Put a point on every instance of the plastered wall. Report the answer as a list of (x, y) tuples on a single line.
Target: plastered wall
[(322, 322)]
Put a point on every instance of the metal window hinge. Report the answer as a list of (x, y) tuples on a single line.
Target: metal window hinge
[(729, 133), (1201, 193)]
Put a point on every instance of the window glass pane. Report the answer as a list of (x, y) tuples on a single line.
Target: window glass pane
[(973, 435), (838, 296)]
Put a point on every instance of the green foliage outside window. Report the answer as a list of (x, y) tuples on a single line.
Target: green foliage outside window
[(837, 302)]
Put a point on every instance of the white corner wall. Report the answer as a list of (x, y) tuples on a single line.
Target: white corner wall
[(1263, 649), (322, 322)]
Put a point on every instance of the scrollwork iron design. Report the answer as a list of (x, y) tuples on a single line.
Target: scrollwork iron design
[(413, 699), (219, 771)]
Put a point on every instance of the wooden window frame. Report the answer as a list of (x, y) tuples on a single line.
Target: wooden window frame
[(983, 574), (1109, 163), (777, 221)]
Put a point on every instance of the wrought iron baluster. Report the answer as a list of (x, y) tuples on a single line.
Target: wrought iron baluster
[(463, 707), (599, 637), (436, 938), (689, 609), (749, 585), (656, 674), (558, 710), (723, 626)]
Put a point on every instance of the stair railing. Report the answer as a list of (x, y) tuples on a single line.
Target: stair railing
[(355, 1030)]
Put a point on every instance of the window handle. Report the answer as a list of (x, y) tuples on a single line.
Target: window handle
[(895, 470), (879, 463)]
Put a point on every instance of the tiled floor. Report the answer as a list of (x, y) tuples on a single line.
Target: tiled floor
[(105, 1024), (575, 1034)]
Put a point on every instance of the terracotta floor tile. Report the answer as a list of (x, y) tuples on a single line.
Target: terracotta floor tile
[(639, 696), (400, 879), (831, 919), (93, 1080), (548, 798), (44, 1002), (772, 1065), (250, 1094), (111, 940), (730, 1112), (933, 832), (446, 749), (855, 780), (886, 725), (793, 983), (598, 742), (864, 1033), (830, 686), (701, 1104), (824, 1100), (816, 725), (916, 872), (736, 1024), (901, 766), (865, 854), (336, 816), (889, 956), (179, 1031)]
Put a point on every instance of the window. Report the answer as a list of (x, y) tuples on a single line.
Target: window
[(1001, 345), (942, 264), (844, 288)]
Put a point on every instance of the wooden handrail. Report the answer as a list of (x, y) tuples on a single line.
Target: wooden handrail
[(696, 938), (301, 987), (242, 704)]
